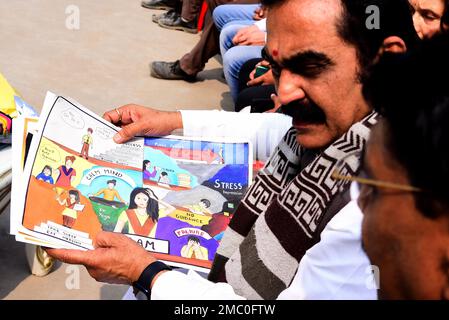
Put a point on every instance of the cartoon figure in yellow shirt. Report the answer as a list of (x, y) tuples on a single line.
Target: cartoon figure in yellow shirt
[(194, 250), (110, 193), (143, 212), (87, 143)]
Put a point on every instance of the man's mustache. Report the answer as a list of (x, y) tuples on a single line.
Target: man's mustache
[(304, 111)]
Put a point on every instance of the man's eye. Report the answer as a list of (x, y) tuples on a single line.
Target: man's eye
[(310, 70), (313, 70), (430, 18)]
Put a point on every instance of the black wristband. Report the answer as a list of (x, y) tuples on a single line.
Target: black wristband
[(147, 276)]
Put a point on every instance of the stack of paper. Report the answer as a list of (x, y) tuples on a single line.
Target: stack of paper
[(5, 176), (172, 195)]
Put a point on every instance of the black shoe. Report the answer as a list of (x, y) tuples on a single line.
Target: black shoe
[(170, 71), (168, 14), (158, 4), (175, 22)]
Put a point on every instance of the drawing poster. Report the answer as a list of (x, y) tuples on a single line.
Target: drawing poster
[(79, 180), (199, 185), (175, 196)]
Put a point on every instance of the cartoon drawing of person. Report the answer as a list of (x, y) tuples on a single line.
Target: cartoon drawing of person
[(110, 193), (219, 158), (147, 173), (200, 208), (69, 215), (143, 212), (194, 250), (87, 143), (164, 178), (66, 174), (45, 175)]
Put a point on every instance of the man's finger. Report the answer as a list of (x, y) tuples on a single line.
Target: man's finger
[(255, 82), (108, 239), (70, 256), (113, 116), (107, 116), (252, 75), (238, 37), (128, 132)]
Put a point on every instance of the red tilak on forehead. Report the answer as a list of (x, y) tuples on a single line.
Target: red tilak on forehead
[(275, 53)]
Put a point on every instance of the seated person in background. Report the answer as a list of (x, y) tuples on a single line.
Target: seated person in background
[(185, 20), (193, 62), (240, 40), (159, 4), (256, 88)]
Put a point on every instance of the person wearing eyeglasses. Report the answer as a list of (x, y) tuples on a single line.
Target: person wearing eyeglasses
[(406, 212)]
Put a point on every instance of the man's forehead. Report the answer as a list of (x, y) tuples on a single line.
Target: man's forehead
[(317, 11), (302, 25)]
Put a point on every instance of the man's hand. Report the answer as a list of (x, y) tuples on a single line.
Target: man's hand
[(138, 120), (249, 36), (259, 13), (265, 79), (116, 258)]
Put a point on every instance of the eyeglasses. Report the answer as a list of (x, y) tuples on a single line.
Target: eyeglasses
[(340, 175)]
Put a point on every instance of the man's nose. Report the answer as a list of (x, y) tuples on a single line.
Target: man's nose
[(417, 23), (290, 87)]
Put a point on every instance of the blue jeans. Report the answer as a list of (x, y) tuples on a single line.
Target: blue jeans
[(233, 60), (229, 19), (227, 13), (228, 33)]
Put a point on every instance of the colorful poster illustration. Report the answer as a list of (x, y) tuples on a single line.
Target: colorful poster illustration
[(173, 195), (203, 183)]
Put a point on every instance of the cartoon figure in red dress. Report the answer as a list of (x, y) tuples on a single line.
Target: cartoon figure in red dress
[(66, 174)]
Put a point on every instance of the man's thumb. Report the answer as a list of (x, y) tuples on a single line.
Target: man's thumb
[(127, 133)]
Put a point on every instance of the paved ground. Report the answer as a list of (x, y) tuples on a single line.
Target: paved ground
[(104, 64)]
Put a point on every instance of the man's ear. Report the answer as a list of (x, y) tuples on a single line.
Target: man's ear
[(392, 44)]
